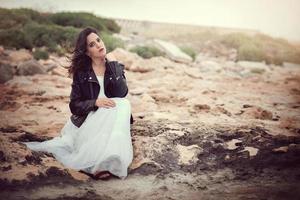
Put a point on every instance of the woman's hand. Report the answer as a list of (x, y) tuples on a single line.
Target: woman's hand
[(105, 103)]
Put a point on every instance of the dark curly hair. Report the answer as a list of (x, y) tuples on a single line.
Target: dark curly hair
[(79, 60)]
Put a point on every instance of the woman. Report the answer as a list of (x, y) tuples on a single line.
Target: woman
[(96, 139)]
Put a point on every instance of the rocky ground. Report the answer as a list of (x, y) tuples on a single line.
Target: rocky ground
[(210, 129)]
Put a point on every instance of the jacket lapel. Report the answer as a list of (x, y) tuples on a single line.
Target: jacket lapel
[(91, 76)]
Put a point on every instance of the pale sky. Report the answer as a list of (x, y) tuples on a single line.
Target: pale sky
[(278, 18)]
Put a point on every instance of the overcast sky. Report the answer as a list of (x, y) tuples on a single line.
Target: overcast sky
[(279, 18)]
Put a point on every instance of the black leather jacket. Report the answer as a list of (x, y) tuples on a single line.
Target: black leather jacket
[(85, 90)]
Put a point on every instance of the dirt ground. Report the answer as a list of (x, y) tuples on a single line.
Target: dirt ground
[(213, 136)]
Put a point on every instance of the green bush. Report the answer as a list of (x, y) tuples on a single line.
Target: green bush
[(59, 50), (50, 35), (147, 51), (235, 40), (40, 54), (189, 51), (14, 38), (111, 42), (56, 31), (19, 17), (112, 26), (251, 52), (84, 19)]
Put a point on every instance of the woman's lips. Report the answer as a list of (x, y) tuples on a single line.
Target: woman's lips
[(101, 49)]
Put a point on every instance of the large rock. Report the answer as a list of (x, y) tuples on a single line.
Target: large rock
[(209, 66), (6, 72), (252, 67), (217, 50), (258, 112), (172, 51), (30, 67), (132, 61), (48, 64), (1, 50), (188, 154), (20, 56), (60, 71)]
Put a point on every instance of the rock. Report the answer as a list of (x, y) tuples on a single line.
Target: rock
[(60, 71), (222, 110), (138, 91), (232, 144), (227, 157), (188, 154), (291, 65), (282, 149), (19, 56), (294, 147), (125, 57), (141, 66), (147, 98), (1, 50), (146, 149), (172, 51), (258, 113), (209, 66), (122, 37), (63, 61), (29, 68), (6, 72), (162, 95), (131, 61), (48, 64), (201, 107), (174, 134), (217, 50), (143, 103), (252, 67), (193, 72), (252, 151), (164, 115)]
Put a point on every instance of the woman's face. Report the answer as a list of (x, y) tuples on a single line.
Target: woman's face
[(95, 46)]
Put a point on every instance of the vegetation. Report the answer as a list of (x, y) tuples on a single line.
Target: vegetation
[(189, 51), (40, 54), (261, 47), (84, 19), (27, 28), (147, 51), (110, 42)]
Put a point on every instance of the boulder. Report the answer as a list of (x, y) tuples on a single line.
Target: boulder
[(251, 67), (60, 71), (172, 51), (188, 154), (6, 72), (132, 61), (20, 56), (30, 67)]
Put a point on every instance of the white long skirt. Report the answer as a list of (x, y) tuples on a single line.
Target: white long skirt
[(102, 142)]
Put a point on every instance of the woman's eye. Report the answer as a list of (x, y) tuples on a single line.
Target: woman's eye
[(98, 40)]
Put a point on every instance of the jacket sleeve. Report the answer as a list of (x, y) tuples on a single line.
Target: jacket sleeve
[(78, 105), (122, 67)]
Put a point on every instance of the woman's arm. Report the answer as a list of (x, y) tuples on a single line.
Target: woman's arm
[(119, 83), (124, 80), (78, 105)]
